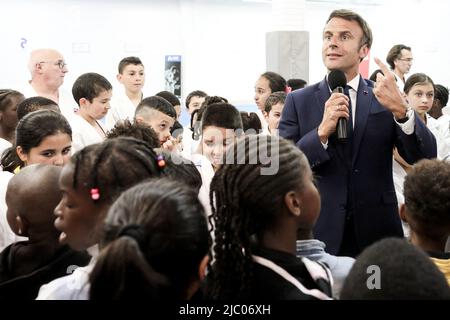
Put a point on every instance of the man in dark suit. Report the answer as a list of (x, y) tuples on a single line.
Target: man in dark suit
[(359, 205)]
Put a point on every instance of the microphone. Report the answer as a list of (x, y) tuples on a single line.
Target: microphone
[(337, 82)]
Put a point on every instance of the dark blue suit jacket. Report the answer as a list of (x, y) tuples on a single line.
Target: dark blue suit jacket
[(362, 185)]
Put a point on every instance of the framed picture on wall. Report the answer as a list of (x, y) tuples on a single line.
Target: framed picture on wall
[(172, 74)]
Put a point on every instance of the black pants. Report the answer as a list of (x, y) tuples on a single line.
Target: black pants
[(349, 247)]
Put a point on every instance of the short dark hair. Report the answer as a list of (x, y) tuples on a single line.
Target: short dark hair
[(427, 197), (169, 96), (127, 61), (136, 130), (222, 115), (89, 86), (196, 93), (158, 104), (417, 78), (441, 94), (273, 99), (209, 100), (295, 84), (349, 15), (250, 120), (406, 273), (276, 81), (33, 104), (395, 53)]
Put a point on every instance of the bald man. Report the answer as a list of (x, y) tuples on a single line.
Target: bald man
[(31, 197), (48, 69)]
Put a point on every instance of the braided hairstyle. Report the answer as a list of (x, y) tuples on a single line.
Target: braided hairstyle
[(5, 97), (156, 237), (245, 202), (114, 166)]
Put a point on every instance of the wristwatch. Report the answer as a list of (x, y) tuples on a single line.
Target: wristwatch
[(406, 118), (402, 120)]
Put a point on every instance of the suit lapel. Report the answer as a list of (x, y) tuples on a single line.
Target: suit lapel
[(322, 95), (364, 99)]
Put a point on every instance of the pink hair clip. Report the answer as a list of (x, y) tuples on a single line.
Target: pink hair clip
[(95, 194), (161, 162)]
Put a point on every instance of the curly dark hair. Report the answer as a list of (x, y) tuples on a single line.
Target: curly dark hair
[(427, 196), (140, 131)]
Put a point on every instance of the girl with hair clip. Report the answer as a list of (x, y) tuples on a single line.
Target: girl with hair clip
[(267, 83), (9, 99), (94, 178), (261, 198), (42, 137), (156, 245)]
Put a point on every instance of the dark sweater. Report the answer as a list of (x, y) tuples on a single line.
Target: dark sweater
[(26, 286)]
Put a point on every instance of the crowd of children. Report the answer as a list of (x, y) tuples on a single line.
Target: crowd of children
[(119, 201)]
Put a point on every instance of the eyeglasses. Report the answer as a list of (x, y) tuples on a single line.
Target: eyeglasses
[(60, 63), (407, 60)]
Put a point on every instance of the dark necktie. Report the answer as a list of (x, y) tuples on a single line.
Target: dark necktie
[(350, 119)]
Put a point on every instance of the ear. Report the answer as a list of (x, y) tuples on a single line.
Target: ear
[(293, 203), (364, 51), (403, 213), (139, 119), (21, 227), (22, 155), (202, 268), (83, 102), (266, 114), (119, 77)]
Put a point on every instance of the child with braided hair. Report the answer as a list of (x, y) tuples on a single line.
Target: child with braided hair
[(94, 178), (261, 197), (9, 99)]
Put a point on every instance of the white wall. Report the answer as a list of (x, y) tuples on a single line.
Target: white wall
[(222, 42)]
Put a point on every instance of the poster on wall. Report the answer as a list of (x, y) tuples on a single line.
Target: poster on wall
[(172, 75)]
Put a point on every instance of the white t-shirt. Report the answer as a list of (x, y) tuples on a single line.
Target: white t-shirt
[(441, 131), (66, 103), (74, 286), (83, 134), (189, 145), (7, 236), (121, 108)]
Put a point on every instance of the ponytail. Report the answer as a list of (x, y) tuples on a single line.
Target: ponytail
[(122, 272)]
